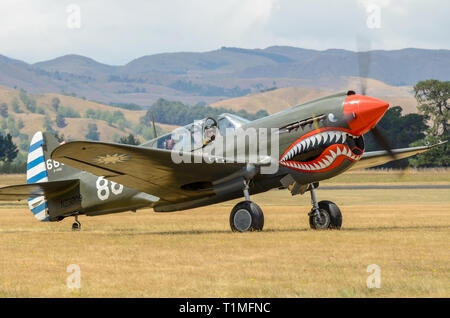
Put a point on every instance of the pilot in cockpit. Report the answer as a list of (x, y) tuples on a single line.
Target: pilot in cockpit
[(170, 143), (210, 132)]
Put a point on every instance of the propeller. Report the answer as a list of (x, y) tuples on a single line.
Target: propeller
[(364, 46), (382, 141), (364, 59)]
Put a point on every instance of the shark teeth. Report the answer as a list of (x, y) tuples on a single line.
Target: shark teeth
[(310, 142), (325, 160)]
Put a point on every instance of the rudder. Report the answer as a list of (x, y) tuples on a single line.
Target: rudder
[(41, 168)]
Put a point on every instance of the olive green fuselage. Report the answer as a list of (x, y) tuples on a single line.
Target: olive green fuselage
[(307, 164)]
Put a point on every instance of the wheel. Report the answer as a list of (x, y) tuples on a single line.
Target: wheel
[(246, 216), (334, 212), (76, 227), (330, 217), (320, 221)]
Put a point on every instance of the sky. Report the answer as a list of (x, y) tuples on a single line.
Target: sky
[(116, 32)]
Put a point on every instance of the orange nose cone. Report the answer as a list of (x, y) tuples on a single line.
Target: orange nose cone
[(367, 112)]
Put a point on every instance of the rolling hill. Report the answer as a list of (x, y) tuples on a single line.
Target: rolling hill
[(279, 99), (222, 74), (23, 123)]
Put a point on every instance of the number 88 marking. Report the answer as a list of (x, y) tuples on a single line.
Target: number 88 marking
[(103, 191)]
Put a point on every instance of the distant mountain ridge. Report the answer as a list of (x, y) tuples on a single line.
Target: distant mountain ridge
[(220, 74)]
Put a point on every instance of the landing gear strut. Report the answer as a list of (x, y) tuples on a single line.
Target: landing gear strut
[(324, 214), (246, 215), (77, 225)]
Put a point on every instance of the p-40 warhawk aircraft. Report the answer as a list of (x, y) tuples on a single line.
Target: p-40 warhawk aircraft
[(316, 141)]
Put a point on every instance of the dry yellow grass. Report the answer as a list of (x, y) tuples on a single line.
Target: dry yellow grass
[(272, 101), (194, 254)]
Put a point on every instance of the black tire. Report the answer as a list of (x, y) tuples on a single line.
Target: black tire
[(246, 216), (76, 227), (330, 211)]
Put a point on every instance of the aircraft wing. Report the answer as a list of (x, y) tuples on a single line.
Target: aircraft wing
[(24, 191), (148, 170), (376, 158)]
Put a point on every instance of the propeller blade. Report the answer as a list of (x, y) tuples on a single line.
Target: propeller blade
[(364, 46), (383, 141)]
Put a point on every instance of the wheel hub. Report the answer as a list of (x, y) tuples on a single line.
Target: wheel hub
[(242, 220), (321, 219)]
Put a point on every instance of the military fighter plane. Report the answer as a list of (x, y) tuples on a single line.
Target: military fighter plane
[(317, 140)]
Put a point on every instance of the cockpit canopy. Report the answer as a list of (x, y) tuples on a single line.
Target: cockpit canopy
[(199, 133)]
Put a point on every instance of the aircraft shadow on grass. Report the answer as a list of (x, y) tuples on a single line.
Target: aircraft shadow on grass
[(202, 232), (362, 229)]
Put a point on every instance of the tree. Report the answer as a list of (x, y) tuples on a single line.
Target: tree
[(68, 112), (90, 113), (8, 150), (56, 103), (433, 98), (93, 133), (60, 138), (60, 121), (130, 140), (13, 128), (27, 101), (401, 131), (48, 124), (20, 124), (15, 106), (4, 110)]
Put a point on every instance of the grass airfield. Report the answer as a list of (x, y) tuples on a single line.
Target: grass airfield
[(194, 254)]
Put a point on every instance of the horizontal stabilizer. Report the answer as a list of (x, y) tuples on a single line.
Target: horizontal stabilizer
[(26, 191)]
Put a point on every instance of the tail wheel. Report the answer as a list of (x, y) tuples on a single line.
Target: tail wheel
[(76, 227), (246, 216), (329, 216)]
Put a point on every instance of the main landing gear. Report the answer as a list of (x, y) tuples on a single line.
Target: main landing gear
[(246, 215), (77, 225), (324, 214)]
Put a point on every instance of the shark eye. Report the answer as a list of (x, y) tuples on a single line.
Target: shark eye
[(332, 117)]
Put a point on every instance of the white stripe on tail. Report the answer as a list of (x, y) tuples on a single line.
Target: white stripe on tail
[(36, 172)]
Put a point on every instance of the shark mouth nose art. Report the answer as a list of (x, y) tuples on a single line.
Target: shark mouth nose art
[(322, 150)]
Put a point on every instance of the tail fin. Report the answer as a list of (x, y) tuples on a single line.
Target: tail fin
[(41, 168), (36, 171)]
